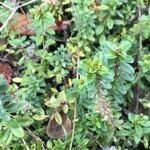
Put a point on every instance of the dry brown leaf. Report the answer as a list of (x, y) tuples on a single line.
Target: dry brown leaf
[(20, 24), (54, 130)]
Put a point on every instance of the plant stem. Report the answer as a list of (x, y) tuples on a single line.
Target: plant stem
[(5, 5), (35, 137), (74, 124), (24, 142), (137, 86), (75, 104)]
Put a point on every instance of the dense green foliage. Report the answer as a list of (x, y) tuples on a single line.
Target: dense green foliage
[(95, 73)]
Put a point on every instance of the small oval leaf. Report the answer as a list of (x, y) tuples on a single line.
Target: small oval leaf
[(17, 80), (58, 118), (65, 108)]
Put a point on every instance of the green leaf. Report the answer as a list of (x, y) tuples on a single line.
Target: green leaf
[(125, 45), (4, 136), (9, 139), (4, 115), (15, 128), (129, 59), (18, 132), (138, 130), (87, 49), (80, 43), (91, 38), (123, 88), (49, 42), (124, 133), (146, 130), (91, 77), (49, 144), (137, 138), (110, 23), (127, 125), (99, 29), (86, 64), (14, 107), (21, 61), (118, 22), (109, 49), (131, 117), (3, 84), (146, 124), (13, 123), (103, 70), (62, 96), (85, 141), (38, 40), (24, 120), (102, 39), (104, 7), (126, 71)]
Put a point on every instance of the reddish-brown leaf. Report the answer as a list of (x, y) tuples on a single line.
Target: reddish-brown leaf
[(20, 23), (6, 70)]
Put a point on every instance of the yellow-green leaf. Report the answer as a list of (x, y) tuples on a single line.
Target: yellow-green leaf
[(40, 117), (58, 79), (65, 2), (58, 118), (17, 80), (104, 7), (65, 108), (146, 144), (10, 51), (62, 96), (3, 47), (81, 54)]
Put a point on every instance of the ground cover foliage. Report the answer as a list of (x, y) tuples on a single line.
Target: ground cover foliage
[(74, 74)]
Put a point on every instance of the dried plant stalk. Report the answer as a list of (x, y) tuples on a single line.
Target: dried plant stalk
[(102, 106)]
